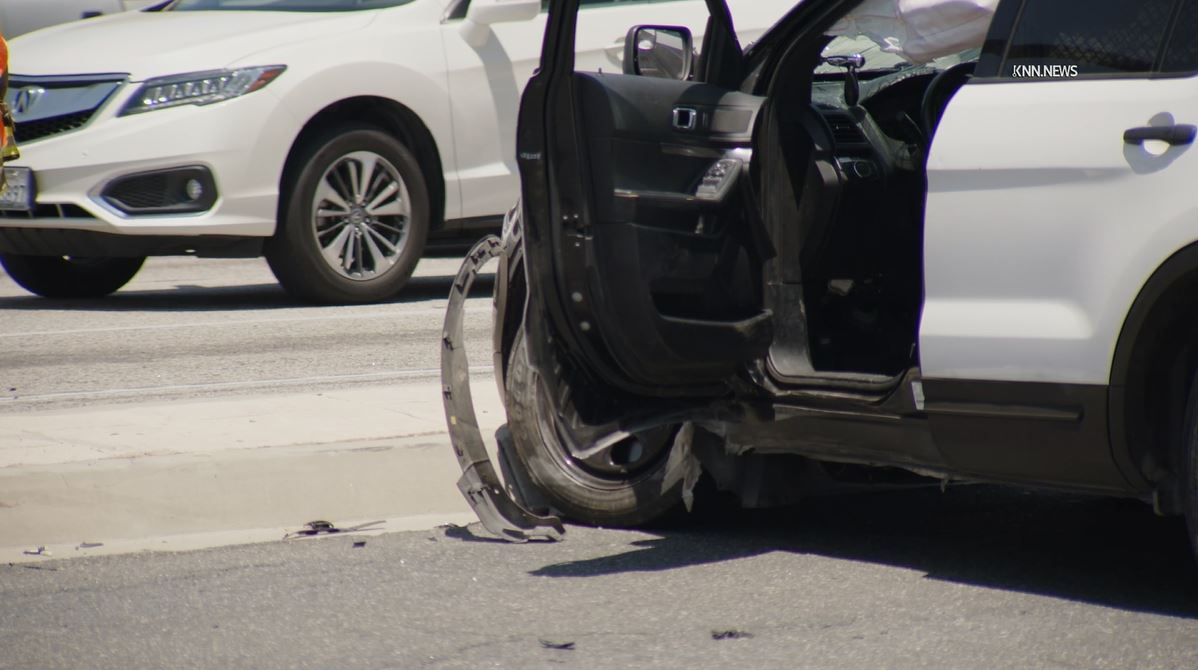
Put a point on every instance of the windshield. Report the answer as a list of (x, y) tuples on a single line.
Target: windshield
[(877, 59), (284, 5), (893, 33)]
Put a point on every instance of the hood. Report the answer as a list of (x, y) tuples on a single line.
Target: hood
[(151, 44)]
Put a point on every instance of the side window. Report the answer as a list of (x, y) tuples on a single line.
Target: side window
[(1181, 55), (1100, 37)]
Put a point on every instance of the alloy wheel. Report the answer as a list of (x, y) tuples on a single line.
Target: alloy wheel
[(360, 215)]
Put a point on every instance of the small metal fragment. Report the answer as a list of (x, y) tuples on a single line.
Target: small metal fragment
[(564, 646)]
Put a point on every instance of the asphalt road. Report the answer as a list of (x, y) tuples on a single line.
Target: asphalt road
[(971, 578), (187, 327)]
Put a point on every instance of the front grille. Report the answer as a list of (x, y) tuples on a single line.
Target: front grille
[(49, 211), (46, 106), (29, 131)]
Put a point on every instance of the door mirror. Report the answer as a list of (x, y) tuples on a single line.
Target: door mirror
[(666, 52), (484, 13)]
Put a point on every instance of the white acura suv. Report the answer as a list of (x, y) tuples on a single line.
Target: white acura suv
[(334, 137)]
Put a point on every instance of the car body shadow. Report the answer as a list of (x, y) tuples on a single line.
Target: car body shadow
[(1114, 553), (250, 297)]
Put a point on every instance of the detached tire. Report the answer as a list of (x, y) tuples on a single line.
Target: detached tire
[(70, 277), (353, 218), (568, 486)]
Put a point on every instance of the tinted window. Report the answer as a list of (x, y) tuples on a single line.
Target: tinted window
[(1182, 53), (1066, 39)]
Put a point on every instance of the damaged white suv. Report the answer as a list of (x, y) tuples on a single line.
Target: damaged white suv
[(953, 237), (335, 137)]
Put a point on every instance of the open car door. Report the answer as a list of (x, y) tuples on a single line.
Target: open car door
[(643, 247)]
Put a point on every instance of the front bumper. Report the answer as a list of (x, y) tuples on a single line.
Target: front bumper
[(243, 142)]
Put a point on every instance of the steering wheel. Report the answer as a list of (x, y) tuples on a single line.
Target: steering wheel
[(941, 89)]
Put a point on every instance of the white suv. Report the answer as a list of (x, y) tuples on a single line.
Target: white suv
[(18, 17), (970, 251), (333, 136)]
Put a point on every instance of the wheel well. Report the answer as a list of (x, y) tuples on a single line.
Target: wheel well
[(1154, 363), (391, 117)]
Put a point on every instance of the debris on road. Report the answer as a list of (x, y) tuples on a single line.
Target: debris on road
[(88, 545), (731, 634), (40, 551), (358, 544), (480, 484), (321, 527), (563, 646)]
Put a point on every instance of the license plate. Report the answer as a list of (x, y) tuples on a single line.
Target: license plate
[(18, 192)]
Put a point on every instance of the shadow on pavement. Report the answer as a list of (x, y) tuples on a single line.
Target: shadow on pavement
[(190, 298), (1114, 553)]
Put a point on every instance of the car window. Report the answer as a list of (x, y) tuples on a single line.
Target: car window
[(1055, 39), (878, 60), (1181, 55)]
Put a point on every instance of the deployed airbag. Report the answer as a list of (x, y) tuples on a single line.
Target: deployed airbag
[(920, 31)]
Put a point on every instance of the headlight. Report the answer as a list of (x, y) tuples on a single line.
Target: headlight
[(200, 88)]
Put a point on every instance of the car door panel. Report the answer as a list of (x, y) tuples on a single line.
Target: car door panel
[(656, 245), (638, 153), (650, 288)]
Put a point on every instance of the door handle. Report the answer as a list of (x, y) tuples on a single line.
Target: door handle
[(685, 118), (1174, 135)]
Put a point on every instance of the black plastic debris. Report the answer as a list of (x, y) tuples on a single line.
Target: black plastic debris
[(732, 634), (321, 527), (563, 646)]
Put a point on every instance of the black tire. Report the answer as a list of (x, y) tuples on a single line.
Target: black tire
[(70, 277), (1189, 469), (567, 486), (353, 276)]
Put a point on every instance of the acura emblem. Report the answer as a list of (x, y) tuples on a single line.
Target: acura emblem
[(27, 98)]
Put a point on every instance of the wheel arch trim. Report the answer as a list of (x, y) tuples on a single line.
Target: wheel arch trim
[(392, 117), (1137, 358)]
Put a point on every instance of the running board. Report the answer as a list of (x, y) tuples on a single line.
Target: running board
[(480, 484)]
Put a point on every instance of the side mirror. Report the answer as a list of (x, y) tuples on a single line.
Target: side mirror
[(484, 13), (667, 52)]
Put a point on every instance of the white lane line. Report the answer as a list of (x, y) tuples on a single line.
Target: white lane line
[(424, 373), (244, 322)]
